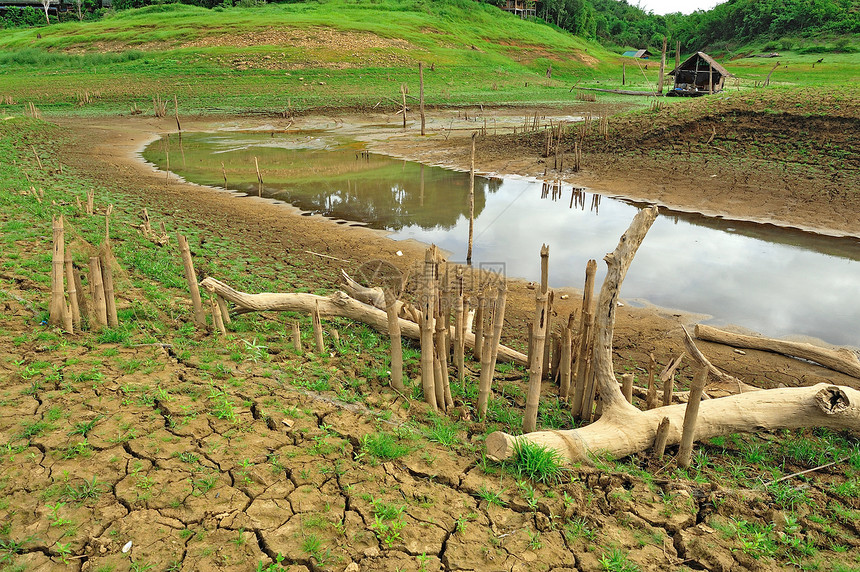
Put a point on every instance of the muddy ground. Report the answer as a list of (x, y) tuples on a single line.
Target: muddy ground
[(265, 471)]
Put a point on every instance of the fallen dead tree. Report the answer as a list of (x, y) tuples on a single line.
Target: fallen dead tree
[(623, 429), (338, 304), (842, 360)]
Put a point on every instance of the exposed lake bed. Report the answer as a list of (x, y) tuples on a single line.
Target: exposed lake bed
[(758, 276)]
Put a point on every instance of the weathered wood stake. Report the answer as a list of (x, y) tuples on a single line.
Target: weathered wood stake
[(688, 434), (318, 331), (297, 337), (191, 279), (57, 309), (471, 201), (661, 438), (97, 292)]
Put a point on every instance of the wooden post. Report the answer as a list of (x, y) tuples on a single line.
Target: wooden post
[(460, 329), (585, 326), (661, 438), (57, 309), (191, 278), (667, 376), (83, 304), (97, 291), (297, 337), (627, 386), (426, 324), (259, 178), (662, 68), (471, 201), (537, 358), (73, 290), (222, 306), (224, 174), (318, 331), (651, 397), (107, 279), (216, 315), (623, 73), (564, 364), (688, 435), (396, 342), (677, 58), (710, 79), (176, 115), (490, 351), (403, 93), (421, 94), (477, 351), (439, 384)]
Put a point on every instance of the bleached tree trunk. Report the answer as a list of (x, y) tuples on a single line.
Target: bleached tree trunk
[(623, 429), (337, 304)]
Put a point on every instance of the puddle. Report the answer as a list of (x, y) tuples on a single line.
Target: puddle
[(772, 280)]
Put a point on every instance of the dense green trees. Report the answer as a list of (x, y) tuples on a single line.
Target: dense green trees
[(738, 21)]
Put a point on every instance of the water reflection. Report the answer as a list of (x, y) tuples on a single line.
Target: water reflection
[(773, 280), (322, 176)]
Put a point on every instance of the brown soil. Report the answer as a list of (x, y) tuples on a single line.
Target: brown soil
[(192, 491)]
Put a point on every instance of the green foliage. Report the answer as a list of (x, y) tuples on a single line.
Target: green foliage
[(615, 560), (536, 463), (383, 446)]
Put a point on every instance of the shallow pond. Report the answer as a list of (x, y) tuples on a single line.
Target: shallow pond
[(773, 280)]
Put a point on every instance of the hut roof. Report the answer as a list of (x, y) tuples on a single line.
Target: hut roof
[(637, 54), (689, 63)]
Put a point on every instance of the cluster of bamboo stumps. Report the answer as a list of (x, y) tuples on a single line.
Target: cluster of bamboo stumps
[(70, 309)]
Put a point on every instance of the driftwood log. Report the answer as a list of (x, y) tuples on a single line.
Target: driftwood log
[(842, 360), (623, 429), (337, 304)]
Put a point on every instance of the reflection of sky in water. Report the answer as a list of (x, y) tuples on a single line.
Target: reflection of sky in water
[(775, 281), (777, 289)]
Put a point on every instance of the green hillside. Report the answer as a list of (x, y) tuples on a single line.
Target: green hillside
[(303, 55)]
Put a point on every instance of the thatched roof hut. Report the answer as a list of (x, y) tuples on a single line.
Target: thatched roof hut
[(699, 74)]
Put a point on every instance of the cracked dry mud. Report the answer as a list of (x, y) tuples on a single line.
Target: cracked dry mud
[(287, 479)]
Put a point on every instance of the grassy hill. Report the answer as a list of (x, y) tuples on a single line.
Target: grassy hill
[(305, 55)]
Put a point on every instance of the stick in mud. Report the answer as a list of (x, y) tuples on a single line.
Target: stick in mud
[(688, 435), (651, 399), (105, 256), (537, 359), (396, 341), (216, 316), (585, 325), (428, 304), (97, 292), (420, 94), (57, 309), (661, 438), (191, 279), (222, 305), (297, 337), (491, 345), (471, 201), (627, 386), (73, 290), (318, 331), (477, 351), (259, 178)]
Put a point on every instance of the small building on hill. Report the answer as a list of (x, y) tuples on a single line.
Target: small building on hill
[(698, 75), (640, 54), (522, 8)]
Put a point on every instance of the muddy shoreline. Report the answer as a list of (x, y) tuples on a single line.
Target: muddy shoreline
[(111, 147)]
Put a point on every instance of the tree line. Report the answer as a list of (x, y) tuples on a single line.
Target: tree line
[(619, 23)]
